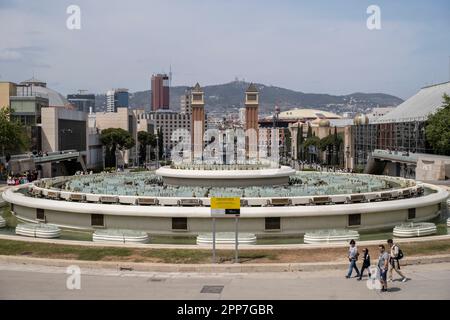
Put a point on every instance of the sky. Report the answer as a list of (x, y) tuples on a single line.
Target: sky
[(308, 46)]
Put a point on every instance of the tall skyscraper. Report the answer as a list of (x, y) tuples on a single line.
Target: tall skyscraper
[(122, 98), (110, 104), (117, 98), (82, 101), (160, 92)]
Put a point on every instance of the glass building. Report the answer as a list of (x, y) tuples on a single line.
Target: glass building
[(401, 130)]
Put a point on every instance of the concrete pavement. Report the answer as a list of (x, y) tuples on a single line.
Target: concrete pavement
[(431, 281)]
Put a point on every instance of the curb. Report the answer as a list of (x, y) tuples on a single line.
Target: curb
[(220, 247), (206, 268)]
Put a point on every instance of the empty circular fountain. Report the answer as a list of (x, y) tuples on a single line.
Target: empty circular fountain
[(39, 230), (122, 236), (2, 222), (145, 201), (331, 236), (226, 238), (413, 229)]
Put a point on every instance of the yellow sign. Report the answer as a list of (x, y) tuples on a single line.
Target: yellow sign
[(225, 203)]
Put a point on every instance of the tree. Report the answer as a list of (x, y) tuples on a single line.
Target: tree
[(310, 132), (311, 145), (287, 142), (300, 142), (12, 134), (113, 139), (145, 139), (333, 144), (160, 143), (437, 130)]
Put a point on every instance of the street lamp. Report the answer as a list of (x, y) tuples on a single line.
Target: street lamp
[(347, 157)]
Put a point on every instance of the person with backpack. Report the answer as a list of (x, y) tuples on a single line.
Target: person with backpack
[(394, 261), (365, 264), (352, 258), (383, 266)]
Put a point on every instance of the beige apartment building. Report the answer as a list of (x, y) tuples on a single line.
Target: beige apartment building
[(7, 90)]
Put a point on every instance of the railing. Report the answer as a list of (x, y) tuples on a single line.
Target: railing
[(414, 191), (45, 188), (395, 155)]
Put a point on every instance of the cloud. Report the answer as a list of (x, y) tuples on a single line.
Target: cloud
[(10, 55), (303, 46), (20, 54)]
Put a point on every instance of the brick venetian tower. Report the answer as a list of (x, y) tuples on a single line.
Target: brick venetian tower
[(251, 121), (197, 121)]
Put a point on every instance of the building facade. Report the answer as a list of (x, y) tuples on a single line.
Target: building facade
[(82, 102), (185, 102), (160, 96), (400, 130), (167, 122), (7, 89), (117, 98)]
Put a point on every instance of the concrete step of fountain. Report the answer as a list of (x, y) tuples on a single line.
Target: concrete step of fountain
[(331, 236), (224, 238), (40, 230), (120, 235), (2, 222), (414, 229)]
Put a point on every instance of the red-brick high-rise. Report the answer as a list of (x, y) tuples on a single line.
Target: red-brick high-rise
[(160, 92)]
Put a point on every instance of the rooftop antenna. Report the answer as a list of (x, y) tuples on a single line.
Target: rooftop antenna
[(170, 75)]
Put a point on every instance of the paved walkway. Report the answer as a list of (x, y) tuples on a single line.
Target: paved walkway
[(431, 281)]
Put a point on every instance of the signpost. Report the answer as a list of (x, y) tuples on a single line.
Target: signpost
[(225, 208)]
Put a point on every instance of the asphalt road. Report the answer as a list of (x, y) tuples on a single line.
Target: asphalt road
[(431, 281)]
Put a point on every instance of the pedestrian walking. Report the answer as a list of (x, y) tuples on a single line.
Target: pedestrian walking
[(383, 266), (352, 258), (394, 262), (365, 264)]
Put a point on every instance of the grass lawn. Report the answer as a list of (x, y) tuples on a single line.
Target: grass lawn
[(43, 250)]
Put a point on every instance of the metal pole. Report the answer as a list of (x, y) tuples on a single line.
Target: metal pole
[(214, 239), (157, 149), (104, 155), (236, 254), (136, 159)]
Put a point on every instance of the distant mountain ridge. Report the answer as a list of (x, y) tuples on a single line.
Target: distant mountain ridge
[(229, 97)]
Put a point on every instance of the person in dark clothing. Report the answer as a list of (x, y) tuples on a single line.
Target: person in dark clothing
[(365, 264)]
